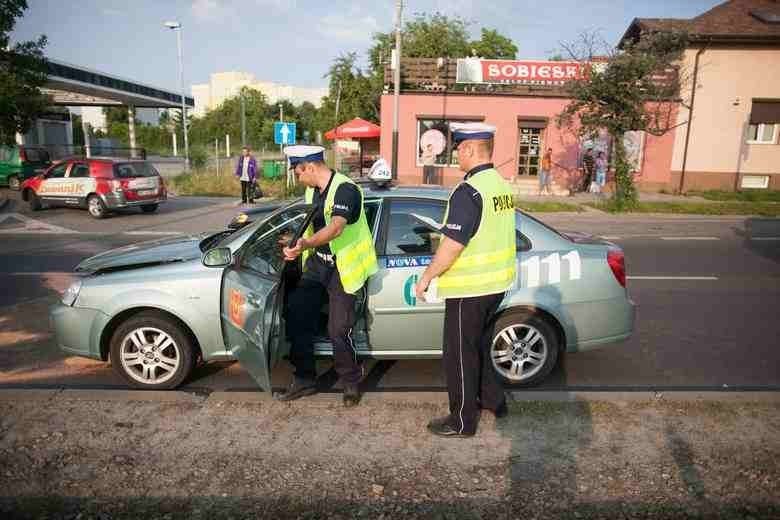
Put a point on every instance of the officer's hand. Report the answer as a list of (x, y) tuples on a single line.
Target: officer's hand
[(291, 253), (420, 288)]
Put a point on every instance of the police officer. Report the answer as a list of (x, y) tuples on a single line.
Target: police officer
[(338, 257), (475, 263)]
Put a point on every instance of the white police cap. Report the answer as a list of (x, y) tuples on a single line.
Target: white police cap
[(304, 153), (464, 131)]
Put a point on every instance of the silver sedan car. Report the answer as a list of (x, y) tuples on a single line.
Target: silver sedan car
[(157, 308)]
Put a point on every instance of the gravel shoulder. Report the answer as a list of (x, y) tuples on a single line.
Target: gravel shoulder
[(207, 458)]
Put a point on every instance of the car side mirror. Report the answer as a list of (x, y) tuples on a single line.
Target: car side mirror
[(218, 257)]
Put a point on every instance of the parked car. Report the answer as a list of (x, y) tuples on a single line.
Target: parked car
[(20, 162), (155, 308), (100, 185)]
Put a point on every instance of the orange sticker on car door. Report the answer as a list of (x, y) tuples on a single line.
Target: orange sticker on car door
[(236, 307)]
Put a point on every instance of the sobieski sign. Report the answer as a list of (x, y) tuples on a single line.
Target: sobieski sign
[(473, 70)]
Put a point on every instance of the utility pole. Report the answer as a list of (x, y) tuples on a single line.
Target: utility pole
[(176, 26), (397, 87), (281, 120), (243, 119), (338, 102)]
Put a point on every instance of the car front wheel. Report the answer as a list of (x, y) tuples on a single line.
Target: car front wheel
[(523, 348), (152, 351), (14, 183), (33, 200)]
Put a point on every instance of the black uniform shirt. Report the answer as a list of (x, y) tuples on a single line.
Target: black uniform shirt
[(346, 204), (465, 210)]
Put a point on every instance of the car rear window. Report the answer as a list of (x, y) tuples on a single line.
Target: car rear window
[(36, 155), (134, 169)]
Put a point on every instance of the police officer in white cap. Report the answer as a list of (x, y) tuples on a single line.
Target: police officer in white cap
[(338, 257), (475, 265)]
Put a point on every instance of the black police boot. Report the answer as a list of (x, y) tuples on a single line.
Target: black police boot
[(442, 428), (300, 387), (351, 395), (501, 412)]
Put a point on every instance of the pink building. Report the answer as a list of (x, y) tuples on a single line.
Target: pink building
[(526, 126)]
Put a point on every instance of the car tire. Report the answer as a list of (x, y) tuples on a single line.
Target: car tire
[(152, 351), (14, 183), (33, 200), (149, 208), (96, 207), (524, 348)]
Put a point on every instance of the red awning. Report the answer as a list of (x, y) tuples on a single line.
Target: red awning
[(355, 129)]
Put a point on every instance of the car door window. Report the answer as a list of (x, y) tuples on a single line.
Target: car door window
[(58, 172), (408, 234), (79, 171), (263, 252)]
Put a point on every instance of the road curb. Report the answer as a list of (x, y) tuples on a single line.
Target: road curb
[(398, 397)]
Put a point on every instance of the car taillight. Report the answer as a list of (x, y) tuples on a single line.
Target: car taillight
[(617, 262)]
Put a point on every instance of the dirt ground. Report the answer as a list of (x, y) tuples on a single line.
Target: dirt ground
[(206, 458)]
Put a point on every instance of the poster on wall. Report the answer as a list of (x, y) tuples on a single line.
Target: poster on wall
[(634, 145)]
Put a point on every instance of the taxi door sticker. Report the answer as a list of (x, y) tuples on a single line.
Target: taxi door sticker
[(67, 187), (536, 271), (236, 308)]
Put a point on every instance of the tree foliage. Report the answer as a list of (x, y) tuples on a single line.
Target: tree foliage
[(22, 74), (625, 94)]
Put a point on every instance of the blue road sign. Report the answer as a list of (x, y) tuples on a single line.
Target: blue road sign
[(284, 133)]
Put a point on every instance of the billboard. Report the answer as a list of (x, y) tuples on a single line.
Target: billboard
[(475, 70)]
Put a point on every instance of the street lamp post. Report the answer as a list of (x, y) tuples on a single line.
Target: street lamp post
[(176, 26), (396, 87)]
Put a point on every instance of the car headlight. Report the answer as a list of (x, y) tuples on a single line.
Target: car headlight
[(71, 293)]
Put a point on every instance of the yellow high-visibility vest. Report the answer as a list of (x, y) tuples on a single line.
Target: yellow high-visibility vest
[(354, 248), (487, 265)]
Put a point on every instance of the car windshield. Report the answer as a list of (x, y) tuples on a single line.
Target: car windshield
[(134, 169), (240, 235), (521, 215)]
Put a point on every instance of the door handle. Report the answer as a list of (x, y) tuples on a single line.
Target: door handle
[(253, 300)]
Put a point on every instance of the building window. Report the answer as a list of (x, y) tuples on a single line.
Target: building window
[(446, 157), (762, 133)]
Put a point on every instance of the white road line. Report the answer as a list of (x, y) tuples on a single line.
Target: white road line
[(152, 232), (696, 278), (765, 238), (690, 238), (609, 237)]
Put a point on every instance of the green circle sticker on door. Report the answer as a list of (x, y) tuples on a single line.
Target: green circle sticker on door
[(409, 298)]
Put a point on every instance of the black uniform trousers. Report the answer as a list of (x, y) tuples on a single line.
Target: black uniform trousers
[(467, 363), (247, 191), (303, 317)]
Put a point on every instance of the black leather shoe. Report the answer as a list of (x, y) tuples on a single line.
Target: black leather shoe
[(297, 389), (502, 411), (442, 428), (351, 396)]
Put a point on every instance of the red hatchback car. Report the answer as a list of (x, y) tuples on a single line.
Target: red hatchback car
[(98, 184)]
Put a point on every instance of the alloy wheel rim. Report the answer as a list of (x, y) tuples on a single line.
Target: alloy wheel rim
[(94, 206), (149, 355), (518, 352)]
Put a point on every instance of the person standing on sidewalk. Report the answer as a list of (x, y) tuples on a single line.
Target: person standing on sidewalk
[(246, 171), (588, 167), (476, 265), (545, 179), (601, 172), (343, 259)]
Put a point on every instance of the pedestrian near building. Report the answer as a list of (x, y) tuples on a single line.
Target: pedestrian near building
[(475, 265), (601, 172), (338, 257), (588, 167), (545, 173), (246, 171)]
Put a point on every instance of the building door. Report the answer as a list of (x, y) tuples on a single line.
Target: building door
[(529, 148)]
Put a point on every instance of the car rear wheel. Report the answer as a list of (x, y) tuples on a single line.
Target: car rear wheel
[(149, 208), (96, 207), (14, 183), (523, 348), (152, 351), (33, 200)]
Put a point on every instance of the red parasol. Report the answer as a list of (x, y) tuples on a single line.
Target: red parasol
[(355, 129)]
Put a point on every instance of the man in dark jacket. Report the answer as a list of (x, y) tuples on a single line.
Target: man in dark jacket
[(246, 171)]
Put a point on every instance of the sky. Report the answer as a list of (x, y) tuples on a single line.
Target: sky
[(294, 41)]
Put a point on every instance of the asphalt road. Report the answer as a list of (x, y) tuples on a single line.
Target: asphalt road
[(708, 290)]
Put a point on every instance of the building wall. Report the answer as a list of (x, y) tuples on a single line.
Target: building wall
[(728, 80), (504, 112)]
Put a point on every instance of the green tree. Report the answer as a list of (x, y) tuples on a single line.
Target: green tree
[(493, 45), (350, 95), (22, 74), (626, 95)]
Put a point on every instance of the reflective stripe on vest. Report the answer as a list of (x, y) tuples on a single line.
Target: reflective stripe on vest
[(488, 264), (354, 248)]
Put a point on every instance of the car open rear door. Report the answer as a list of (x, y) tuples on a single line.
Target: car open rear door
[(253, 294)]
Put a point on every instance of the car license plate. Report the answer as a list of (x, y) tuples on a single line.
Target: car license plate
[(144, 193)]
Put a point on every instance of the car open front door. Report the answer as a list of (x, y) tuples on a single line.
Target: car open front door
[(253, 294)]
